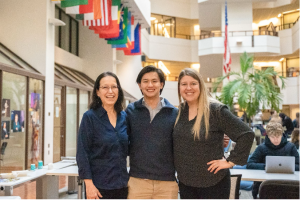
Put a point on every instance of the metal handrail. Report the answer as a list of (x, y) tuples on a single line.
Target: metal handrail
[(286, 26), (238, 33)]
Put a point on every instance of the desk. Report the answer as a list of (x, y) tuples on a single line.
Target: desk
[(261, 175), (69, 171), (32, 175)]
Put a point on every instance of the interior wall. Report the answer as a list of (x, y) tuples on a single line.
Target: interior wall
[(239, 16), (293, 110), (127, 73), (23, 30), (96, 54), (176, 8)]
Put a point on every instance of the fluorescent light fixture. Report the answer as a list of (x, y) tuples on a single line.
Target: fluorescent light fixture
[(281, 59), (208, 79), (156, 21), (168, 24), (56, 22), (279, 15), (163, 68), (290, 11), (197, 27), (152, 18)]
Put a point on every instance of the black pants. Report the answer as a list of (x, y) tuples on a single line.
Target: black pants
[(114, 194), (219, 191)]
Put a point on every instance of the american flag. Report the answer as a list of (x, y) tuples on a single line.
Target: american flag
[(227, 56)]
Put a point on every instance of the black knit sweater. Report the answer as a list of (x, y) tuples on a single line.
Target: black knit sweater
[(191, 156)]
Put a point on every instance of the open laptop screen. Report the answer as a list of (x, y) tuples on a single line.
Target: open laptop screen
[(280, 164)]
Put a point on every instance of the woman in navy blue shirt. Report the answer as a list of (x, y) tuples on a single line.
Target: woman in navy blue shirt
[(103, 142)]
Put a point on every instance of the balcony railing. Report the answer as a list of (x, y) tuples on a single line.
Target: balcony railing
[(286, 26), (238, 33), (289, 74)]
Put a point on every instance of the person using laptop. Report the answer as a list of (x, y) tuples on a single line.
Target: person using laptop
[(275, 144)]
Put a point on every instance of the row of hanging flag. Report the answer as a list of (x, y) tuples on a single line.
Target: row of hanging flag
[(109, 19)]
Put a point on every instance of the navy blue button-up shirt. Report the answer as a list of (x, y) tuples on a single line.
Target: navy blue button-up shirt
[(102, 149)]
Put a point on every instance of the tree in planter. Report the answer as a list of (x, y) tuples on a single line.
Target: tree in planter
[(251, 87)]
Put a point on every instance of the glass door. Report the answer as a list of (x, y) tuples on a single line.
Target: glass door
[(59, 125)]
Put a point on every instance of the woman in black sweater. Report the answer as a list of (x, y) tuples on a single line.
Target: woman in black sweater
[(202, 171)]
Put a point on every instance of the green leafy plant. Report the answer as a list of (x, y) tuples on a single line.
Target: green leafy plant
[(251, 87)]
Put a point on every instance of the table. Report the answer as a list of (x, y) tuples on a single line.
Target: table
[(69, 171), (32, 175), (261, 175)]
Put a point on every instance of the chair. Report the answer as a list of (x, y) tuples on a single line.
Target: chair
[(235, 186), (279, 189)]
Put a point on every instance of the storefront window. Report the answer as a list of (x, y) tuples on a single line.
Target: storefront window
[(13, 111), (35, 125), (84, 99), (71, 121)]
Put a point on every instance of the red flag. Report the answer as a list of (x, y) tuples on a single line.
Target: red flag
[(106, 16)]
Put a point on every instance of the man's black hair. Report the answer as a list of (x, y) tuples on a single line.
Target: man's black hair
[(151, 68)]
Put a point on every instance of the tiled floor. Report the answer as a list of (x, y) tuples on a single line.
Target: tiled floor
[(27, 191), (245, 195)]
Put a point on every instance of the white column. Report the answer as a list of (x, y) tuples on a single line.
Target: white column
[(49, 84)]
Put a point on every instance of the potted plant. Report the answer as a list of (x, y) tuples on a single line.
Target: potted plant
[(251, 88)]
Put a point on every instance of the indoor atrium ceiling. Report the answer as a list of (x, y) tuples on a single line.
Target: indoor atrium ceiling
[(267, 13)]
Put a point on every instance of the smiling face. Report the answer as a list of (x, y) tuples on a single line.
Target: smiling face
[(189, 89), (150, 85), (108, 91)]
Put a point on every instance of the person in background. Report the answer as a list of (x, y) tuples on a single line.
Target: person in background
[(296, 121), (287, 123), (102, 145), (275, 144), (275, 118), (198, 134), (272, 113), (295, 137)]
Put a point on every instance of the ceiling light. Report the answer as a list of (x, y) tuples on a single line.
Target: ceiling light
[(168, 24), (290, 11), (279, 15), (163, 68), (152, 18), (281, 59)]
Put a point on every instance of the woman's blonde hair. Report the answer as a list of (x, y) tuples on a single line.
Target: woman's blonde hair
[(203, 102), (295, 135)]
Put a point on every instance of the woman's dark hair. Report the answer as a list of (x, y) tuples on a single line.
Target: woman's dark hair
[(151, 68), (96, 101)]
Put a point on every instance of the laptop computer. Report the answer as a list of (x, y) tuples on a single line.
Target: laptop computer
[(280, 164)]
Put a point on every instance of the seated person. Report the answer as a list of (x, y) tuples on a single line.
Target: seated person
[(287, 123), (275, 144), (296, 121), (295, 137)]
